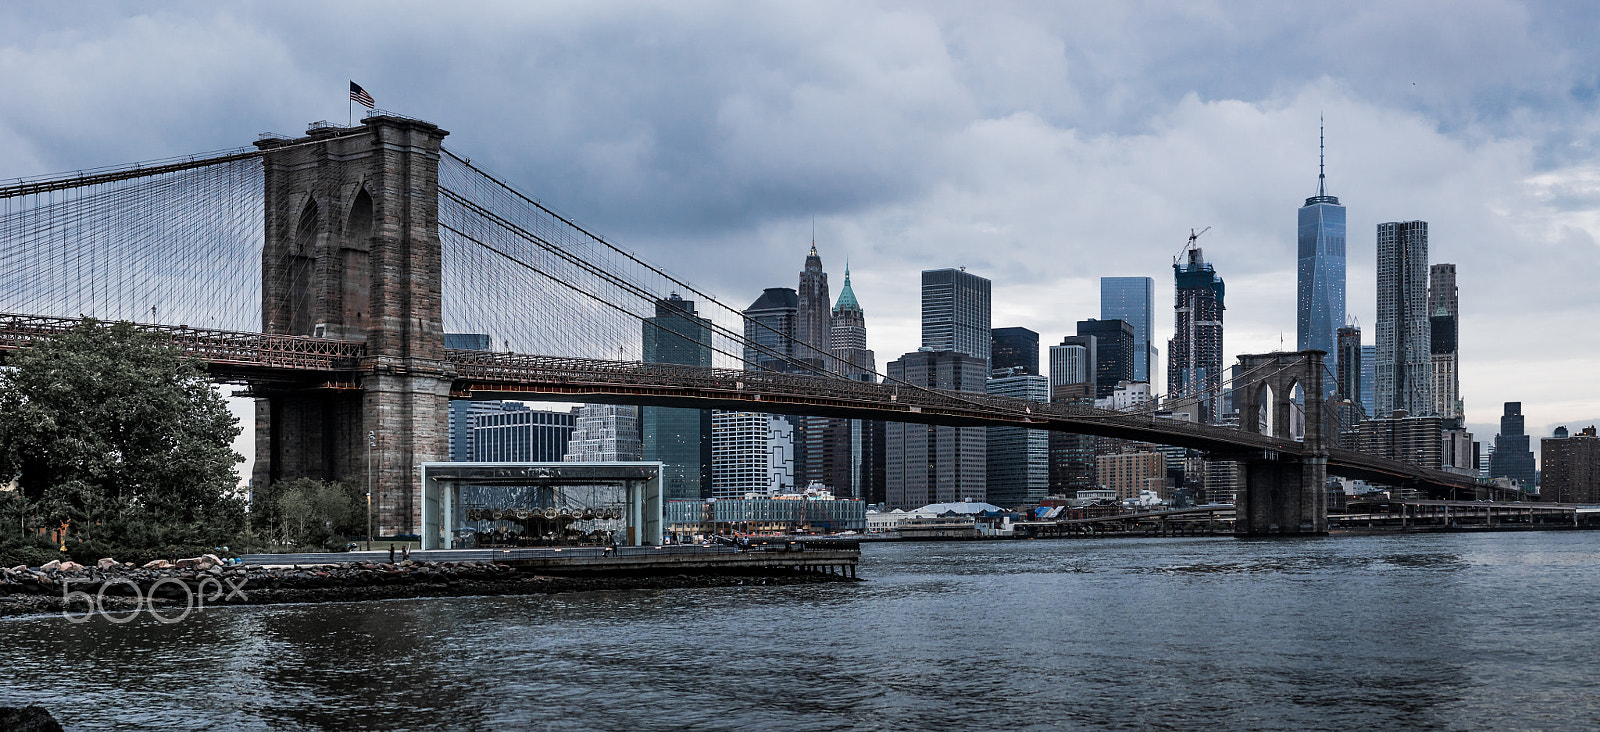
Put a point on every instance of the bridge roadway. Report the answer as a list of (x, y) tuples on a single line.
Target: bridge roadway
[(244, 357)]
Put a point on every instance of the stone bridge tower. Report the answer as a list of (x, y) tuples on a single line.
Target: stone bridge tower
[(352, 253), (1283, 494)]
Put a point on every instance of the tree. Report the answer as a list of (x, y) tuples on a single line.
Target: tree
[(110, 430), (307, 512)]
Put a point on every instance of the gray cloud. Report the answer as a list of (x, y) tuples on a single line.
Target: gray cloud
[(1042, 146)]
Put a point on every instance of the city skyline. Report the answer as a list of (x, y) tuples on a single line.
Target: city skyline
[(1095, 161)]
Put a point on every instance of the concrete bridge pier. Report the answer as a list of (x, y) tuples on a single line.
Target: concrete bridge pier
[(1282, 494)]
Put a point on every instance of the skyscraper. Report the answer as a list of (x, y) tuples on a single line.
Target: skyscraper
[(932, 464), (848, 336), (679, 438), (955, 312), (1194, 355), (847, 454), (1018, 458), (1072, 362), (1320, 295), (1133, 299), (813, 317), (1115, 353), (605, 433), (771, 325), (1404, 366), (1347, 370), (1369, 380), (1016, 349), (1512, 457), (1444, 309), (751, 453)]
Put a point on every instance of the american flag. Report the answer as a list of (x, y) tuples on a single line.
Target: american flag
[(357, 94)]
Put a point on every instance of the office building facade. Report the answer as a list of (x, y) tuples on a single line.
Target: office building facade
[(1404, 364), (605, 433), (1073, 362), (1570, 470), (1133, 301), (1130, 473), (679, 438), (1114, 356), (934, 464), (1347, 377), (955, 313), (1018, 458), (813, 328), (851, 451), (1016, 349), (522, 435), (1512, 458), (751, 453), (1444, 311)]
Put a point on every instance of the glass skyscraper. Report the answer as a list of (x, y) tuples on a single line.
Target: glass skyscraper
[(1320, 295), (680, 438), (955, 313), (1133, 300)]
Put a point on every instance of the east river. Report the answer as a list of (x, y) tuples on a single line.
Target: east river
[(1449, 632)]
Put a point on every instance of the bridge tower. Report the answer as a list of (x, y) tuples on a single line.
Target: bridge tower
[(352, 253), (1283, 494)]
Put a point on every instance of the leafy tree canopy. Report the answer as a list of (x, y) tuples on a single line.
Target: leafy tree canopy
[(115, 432)]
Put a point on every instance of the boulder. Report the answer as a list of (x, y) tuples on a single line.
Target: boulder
[(158, 564), (28, 719), (187, 562), (212, 558), (19, 569), (107, 564), (71, 566), (51, 566)]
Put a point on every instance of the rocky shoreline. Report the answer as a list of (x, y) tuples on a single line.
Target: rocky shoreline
[(172, 587)]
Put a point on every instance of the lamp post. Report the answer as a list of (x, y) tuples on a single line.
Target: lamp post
[(372, 441)]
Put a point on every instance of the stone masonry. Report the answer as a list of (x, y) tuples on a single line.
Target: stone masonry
[(352, 253)]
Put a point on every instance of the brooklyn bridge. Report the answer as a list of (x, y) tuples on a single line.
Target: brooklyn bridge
[(322, 273)]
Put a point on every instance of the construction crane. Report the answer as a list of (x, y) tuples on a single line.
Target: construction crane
[(1193, 235)]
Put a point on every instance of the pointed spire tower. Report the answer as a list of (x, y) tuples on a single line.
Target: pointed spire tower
[(814, 324), (1320, 308), (850, 334)]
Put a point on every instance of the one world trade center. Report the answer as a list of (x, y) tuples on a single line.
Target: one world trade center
[(1320, 294)]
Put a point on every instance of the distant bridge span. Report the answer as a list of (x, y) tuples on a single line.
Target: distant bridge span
[(320, 363)]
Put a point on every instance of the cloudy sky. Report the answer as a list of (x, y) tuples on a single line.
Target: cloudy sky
[(1040, 145)]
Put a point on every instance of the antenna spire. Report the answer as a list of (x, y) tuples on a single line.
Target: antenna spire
[(1322, 175)]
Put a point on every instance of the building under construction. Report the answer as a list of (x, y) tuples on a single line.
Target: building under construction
[(1194, 366)]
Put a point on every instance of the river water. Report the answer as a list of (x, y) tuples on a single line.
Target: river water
[(1451, 631)]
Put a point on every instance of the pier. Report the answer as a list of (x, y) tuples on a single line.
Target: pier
[(834, 557)]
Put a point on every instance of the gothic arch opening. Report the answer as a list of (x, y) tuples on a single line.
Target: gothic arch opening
[(297, 268), (355, 267), (1297, 412), (1265, 417)]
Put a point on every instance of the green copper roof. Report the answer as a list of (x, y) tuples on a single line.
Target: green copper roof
[(847, 296)]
